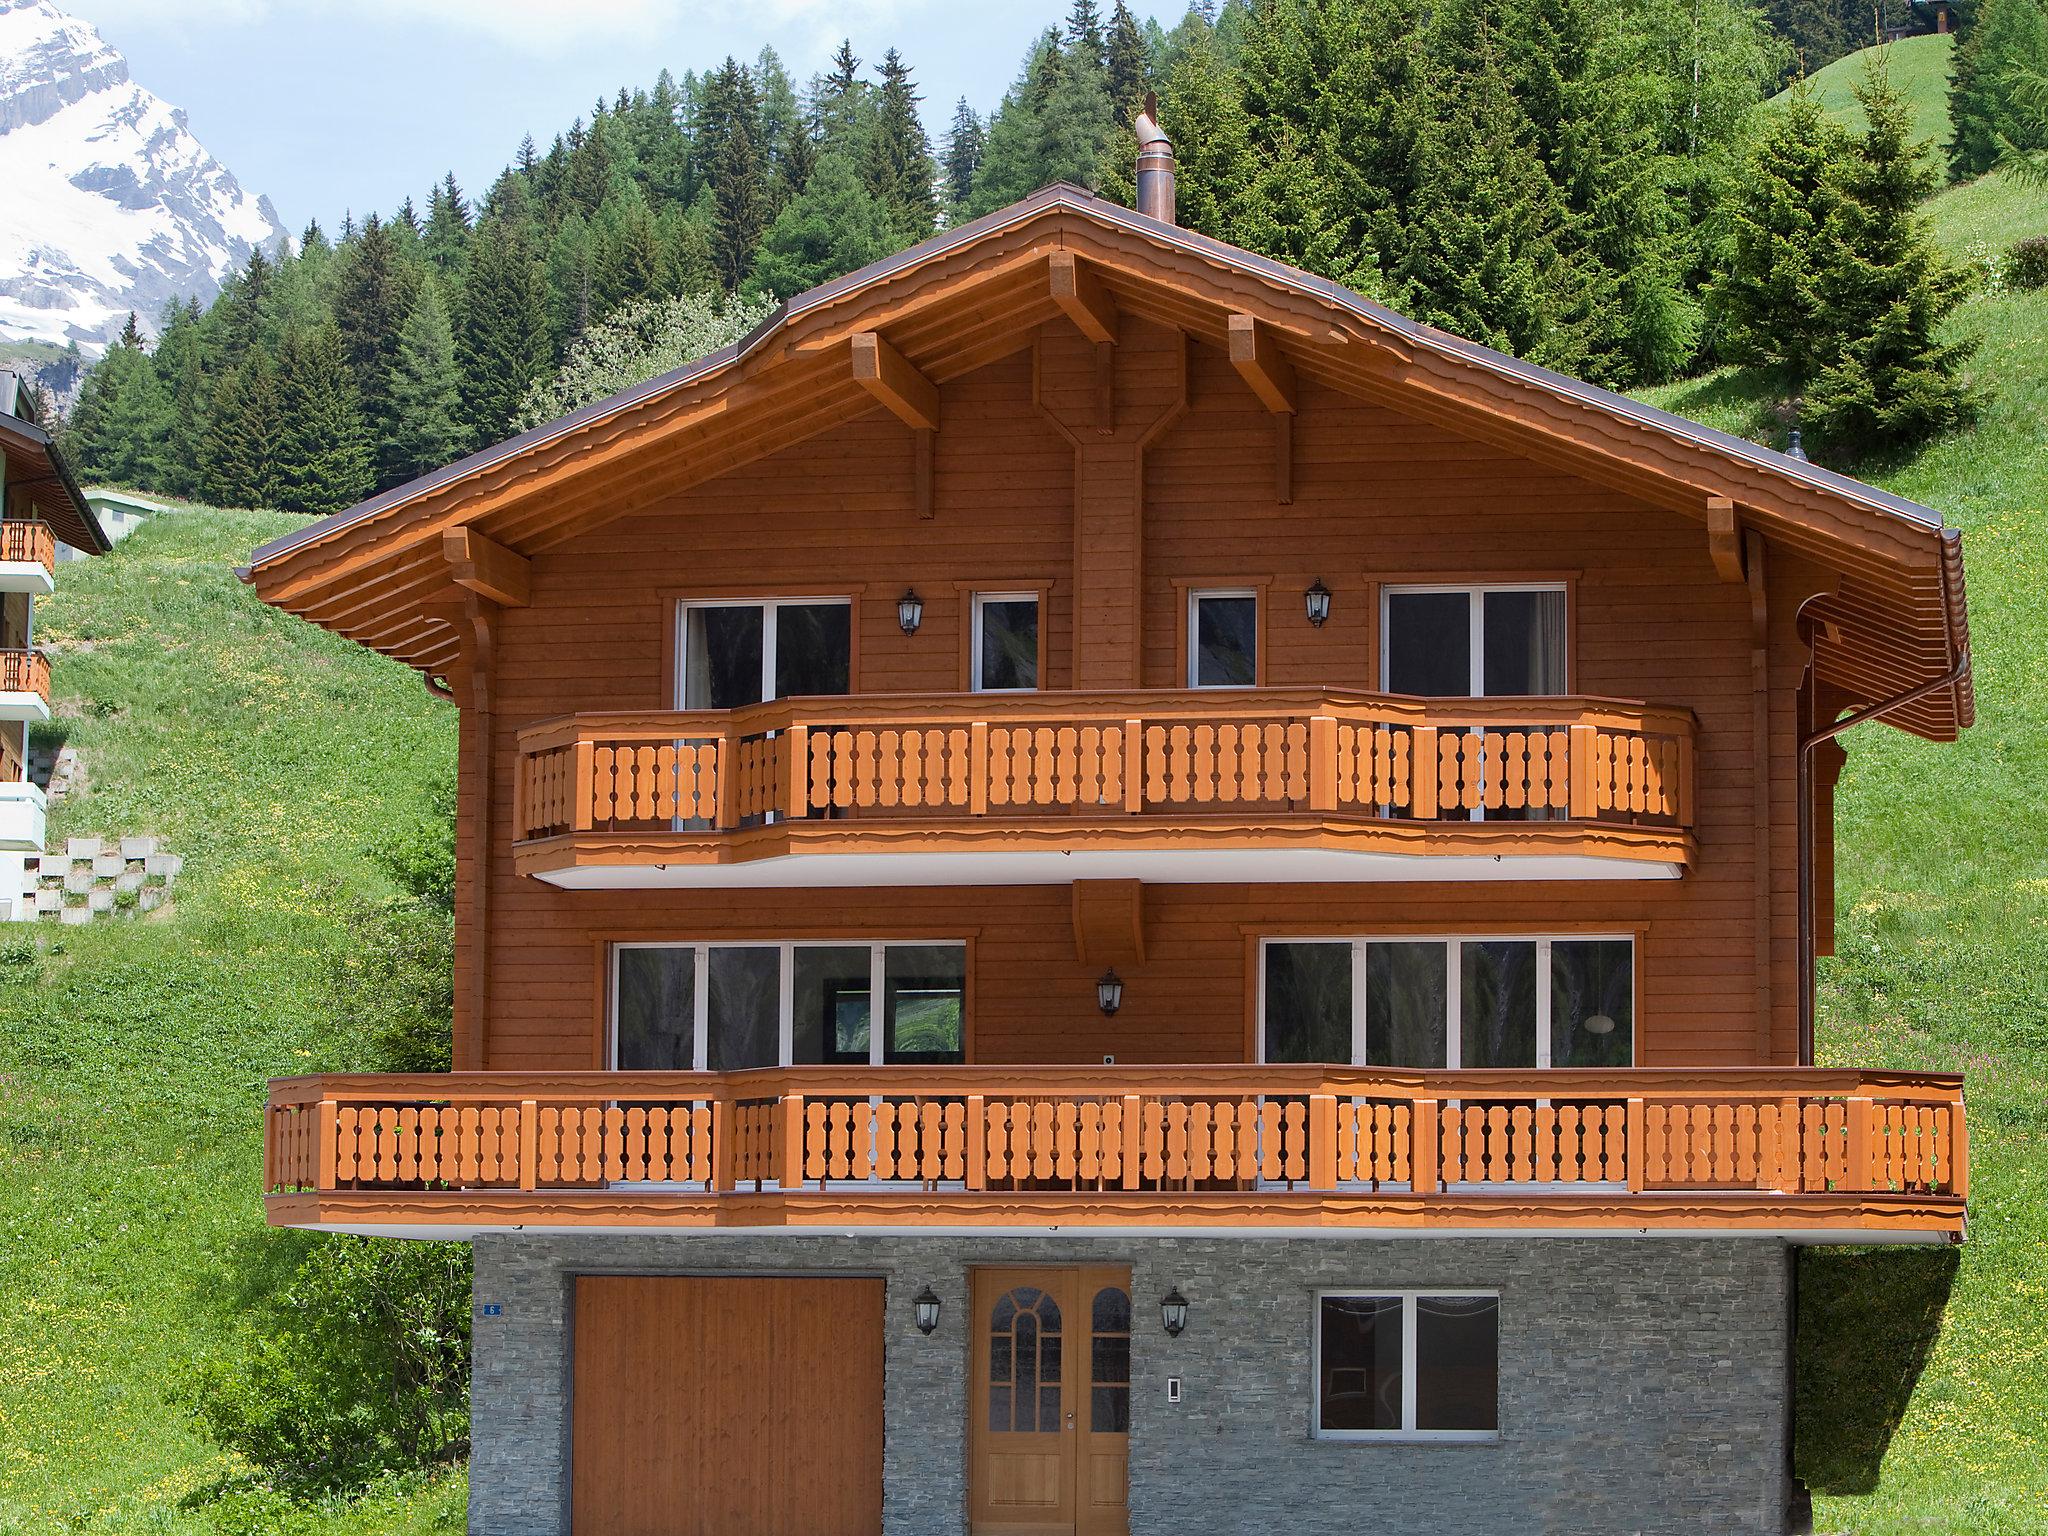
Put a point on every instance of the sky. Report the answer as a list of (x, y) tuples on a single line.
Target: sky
[(331, 106)]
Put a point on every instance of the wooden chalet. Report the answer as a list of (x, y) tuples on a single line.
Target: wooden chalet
[(1080, 783)]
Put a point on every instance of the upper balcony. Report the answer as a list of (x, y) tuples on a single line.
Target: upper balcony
[(28, 557), (1806, 1153), (1194, 786), (24, 685)]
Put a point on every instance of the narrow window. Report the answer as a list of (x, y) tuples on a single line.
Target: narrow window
[(1109, 1363), (1223, 639), (1408, 1365), (1497, 1003), (1005, 657)]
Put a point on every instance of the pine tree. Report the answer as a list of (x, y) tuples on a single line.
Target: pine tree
[(1204, 115), (736, 169), (426, 429), (900, 172), (374, 292), (832, 227), (1084, 33), (2005, 41), (246, 300), (501, 342), (323, 460), (1125, 65), (447, 233), (121, 415), (238, 458), (1885, 290), (181, 361), (1768, 301), (963, 155)]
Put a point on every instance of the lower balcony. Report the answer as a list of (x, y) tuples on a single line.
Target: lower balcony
[(24, 685), (28, 557), (1216, 785), (1809, 1154)]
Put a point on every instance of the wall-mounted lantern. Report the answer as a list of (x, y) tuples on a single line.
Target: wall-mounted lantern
[(909, 611), (1109, 993), (1317, 601), (927, 1304), (1173, 1313)]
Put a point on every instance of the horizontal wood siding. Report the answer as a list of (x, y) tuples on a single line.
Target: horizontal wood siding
[(1376, 496)]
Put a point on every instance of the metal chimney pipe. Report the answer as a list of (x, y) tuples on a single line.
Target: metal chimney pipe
[(1155, 164)]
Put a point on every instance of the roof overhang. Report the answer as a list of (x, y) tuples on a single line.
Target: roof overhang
[(971, 295), (34, 465)]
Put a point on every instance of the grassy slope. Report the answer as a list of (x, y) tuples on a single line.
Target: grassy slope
[(1942, 956), (1919, 69), (270, 755)]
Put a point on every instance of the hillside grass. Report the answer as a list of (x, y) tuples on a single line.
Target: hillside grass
[(1942, 964), (1919, 69), (133, 1053)]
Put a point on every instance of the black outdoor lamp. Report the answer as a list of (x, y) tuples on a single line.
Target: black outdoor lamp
[(1317, 600), (927, 1304), (1109, 993), (1173, 1312), (909, 611)]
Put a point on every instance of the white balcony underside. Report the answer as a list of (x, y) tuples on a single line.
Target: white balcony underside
[(24, 706), (26, 576), (1217, 866), (22, 809)]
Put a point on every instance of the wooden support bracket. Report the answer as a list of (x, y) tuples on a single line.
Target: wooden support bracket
[(886, 374), (487, 567), (1082, 298), (1257, 358), (1109, 922), (1724, 540)]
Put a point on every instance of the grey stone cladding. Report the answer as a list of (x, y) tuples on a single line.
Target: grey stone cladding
[(1643, 1381)]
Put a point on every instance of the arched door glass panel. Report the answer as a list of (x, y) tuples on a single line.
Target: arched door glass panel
[(1024, 1363)]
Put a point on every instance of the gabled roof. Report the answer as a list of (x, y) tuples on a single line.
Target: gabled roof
[(972, 294), (34, 464)]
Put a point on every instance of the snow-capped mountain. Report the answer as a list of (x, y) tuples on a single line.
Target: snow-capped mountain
[(107, 201)]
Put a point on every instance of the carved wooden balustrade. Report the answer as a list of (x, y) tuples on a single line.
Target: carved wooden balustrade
[(1205, 1145), (1111, 765), (23, 542), (25, 672)]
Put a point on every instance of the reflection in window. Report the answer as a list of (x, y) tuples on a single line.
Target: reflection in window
[(1406, 1003), (1223, 648), (722, 657), (1457, 1362), (926, 1003), (741, 653), (1308, 1002), (1109, 1365), (1024, 1363), (1497, 1005), (813, 648), (1474, 642), (657, 1009), (1592, 1003), (1362, 1388), (831, 1013), (1360, 1368), (1005, 643), (743, 1007)]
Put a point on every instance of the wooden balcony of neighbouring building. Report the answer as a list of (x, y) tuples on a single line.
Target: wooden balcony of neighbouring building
[(1810, 1154), (1266, 784), (28, 557), (24, 685)]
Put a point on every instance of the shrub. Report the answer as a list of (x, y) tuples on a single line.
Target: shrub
[(2026, 264)]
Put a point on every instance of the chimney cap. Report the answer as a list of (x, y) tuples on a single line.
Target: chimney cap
[(1147, 125)]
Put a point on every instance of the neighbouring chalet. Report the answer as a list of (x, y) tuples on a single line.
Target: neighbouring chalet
[(1103, 888), (42, 512)]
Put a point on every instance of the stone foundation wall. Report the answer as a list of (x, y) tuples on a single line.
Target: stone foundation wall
[(1643, 1382)]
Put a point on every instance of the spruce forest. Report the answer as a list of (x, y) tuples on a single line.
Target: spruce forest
[(1579, 185)]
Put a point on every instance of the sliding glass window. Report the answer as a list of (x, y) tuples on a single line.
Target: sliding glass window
[(1423, 1003), (728, 1007), (747, 650)]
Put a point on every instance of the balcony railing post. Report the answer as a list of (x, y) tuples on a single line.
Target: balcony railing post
[(977, 768), (726, 791), (1682, 813), (1582, 798), (1134, 766), (977, 1141), (1859, 1144), (1134, 1140), (583, 807), (792, 1171), (1637, 1148), (1957, 1174), (1423, 765), (529, 1144), (1322, 1141), (1423, 1162), (1322, 763), (327, 1145), (723, 1118), (797, 742)]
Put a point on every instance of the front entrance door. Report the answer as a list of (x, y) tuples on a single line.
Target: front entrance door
[(1049, 1402)]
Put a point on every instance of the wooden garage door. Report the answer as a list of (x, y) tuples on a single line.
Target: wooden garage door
[(727, 1406)]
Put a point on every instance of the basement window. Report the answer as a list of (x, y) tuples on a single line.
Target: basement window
[(1407, 1365)]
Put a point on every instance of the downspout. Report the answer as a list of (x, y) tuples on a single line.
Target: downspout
[(1949, 679)]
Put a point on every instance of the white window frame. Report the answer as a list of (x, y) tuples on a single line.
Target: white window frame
[(1475, 617), (981, 600), (1409, 1365), (765, 604), (785, 986), (1454, 986), (1196, 597)]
